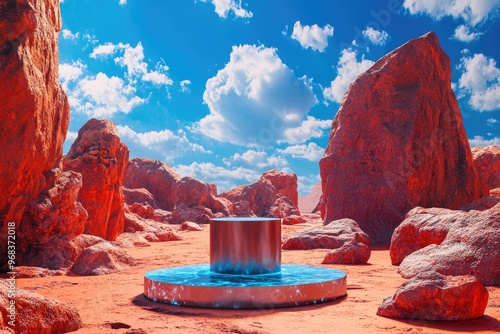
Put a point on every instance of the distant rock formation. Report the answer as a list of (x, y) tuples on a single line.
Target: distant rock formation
[(34, 110), (101, 158), (310, 202), (398, 142), (487, 162), (285, 184)]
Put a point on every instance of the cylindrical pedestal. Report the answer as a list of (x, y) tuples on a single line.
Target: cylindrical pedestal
[(245, 245)]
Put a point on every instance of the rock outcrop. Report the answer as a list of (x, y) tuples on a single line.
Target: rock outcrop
[(460, 243), (101, 259), (99, 155), (34, 110), (398, 142), (432, 296), (487, 162), (139, 195), (285, 184), (157, 177), (349, 244), (36, 314)]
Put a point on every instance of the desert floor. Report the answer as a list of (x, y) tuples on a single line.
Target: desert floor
[(115, 303)]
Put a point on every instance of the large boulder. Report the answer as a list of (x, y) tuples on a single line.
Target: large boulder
[(34, 110), (285, 184), (432, 296), (139, 195), (101, 259), (471, 245), (55, 212), (99, 155), (35, 314), (487, 162), (398, 142), (349, 244), (157, 177)]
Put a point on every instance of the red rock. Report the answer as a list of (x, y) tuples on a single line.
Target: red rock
[(398, 142), (101, 259), (487, 162), (343, 235), (132, 240), (495, 192), (139, 195), (157, 177), (55, 212), (309, 203), (36, 314), (192, 192), (145, 211), (285, 184), (99, 155), (432, 296), (191, 226), (471, 247), (36, 272), (261, 195), (282, 207), (293, 220), (198, 214), (34, 110), (149, 229)]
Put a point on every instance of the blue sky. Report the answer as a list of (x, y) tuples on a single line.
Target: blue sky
[(224, 90)]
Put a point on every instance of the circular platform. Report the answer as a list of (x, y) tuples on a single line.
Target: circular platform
[(197, 286)]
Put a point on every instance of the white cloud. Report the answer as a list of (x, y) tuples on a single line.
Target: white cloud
[(463, 34), (224, 7), (310, 128), (254, 99), (70, 72), (185, 86), (225, 178), (307, 183), (377, 37), (481, 80), (471, 11), (311, 151), (103, 50), (123, 2), (492, 121), (167, 142), (348, 69), (479, 141), (257, 159), (313, 36), (67, 34)]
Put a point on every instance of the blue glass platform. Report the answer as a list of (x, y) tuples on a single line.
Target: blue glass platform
[(197, 286)]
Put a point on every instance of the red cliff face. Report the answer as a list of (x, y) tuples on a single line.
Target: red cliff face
[(101, 158), (487, 162), (398, 142), (34, 110)]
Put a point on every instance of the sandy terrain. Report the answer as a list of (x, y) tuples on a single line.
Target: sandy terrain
[(115, 303)]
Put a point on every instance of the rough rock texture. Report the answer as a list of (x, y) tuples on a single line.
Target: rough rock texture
[(285, 184), (139, 195), (190, 226), (309, 203), (149, 229), (101, 158), (261, 198), (36, 314), (398, 142), (432, 296), (350, 244), (34, 110), (157, 177), (55, 212), (293, 220), (102, 258), (487, 162), (471, 245)]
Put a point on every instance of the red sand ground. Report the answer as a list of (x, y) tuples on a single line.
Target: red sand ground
[(115, 303)]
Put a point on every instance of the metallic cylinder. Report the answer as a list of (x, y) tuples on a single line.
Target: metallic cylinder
[(245, 245)]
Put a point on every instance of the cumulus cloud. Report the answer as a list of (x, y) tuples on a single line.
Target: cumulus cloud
[(254, 99), (67, 34), (480, 80), (377, 37), (311, 151), (471, 11), (70, 72), (123, 2), (165, 141), (464, 34), (103, 50), (492, 121), (306, 183), (185, 86), (257, 159), (313, 36), (348, 69), (480, 141), (225, 178), (224, 7)]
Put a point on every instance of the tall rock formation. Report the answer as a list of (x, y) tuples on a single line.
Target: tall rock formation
[(101, 158), (398, 142), (34, 110), (487, 162)]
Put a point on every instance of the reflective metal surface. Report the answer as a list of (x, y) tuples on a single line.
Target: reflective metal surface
[(245, 245), (197, 286)]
